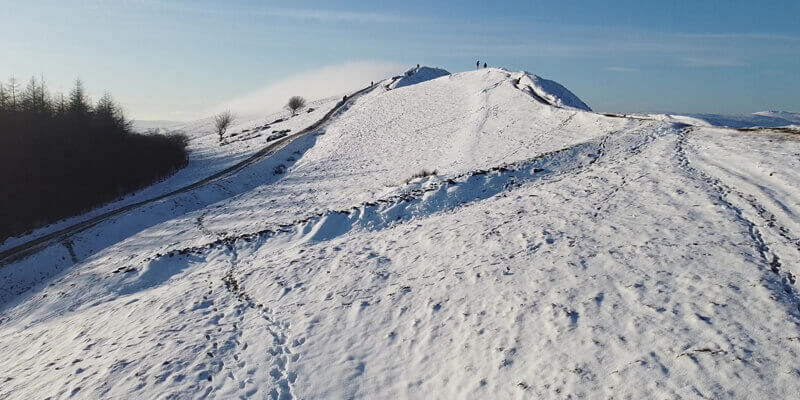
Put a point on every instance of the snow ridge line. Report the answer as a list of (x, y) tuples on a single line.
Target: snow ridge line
[(425, 198), (782, 287), (532, 93)]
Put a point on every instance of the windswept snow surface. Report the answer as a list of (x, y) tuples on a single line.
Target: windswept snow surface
[(417, 75), (552, 92), (556, 253)]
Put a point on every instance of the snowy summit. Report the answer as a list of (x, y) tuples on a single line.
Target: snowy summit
[(416, 75), (473, 235)]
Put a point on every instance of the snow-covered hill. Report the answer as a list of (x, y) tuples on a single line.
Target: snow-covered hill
[(550, 91), (474, 235), (772, 119), (416, 75)]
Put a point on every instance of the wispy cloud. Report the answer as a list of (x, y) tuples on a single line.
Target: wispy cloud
[(319, 15), (746, 36), (317, 84), (703, 62), (335, 16), (621, 69)]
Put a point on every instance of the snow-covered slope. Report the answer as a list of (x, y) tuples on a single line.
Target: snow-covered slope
[(417, 75), (553, 253), (550, 91)]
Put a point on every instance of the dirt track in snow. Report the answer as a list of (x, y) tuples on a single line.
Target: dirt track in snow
[(23, 250)]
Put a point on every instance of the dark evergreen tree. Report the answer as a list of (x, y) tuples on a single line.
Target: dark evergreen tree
[(79, 104), (4, 98), (13, 93), (60, 105), (60, 157)]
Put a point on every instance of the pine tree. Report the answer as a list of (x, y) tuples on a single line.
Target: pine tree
[(13, 93), (4, 98), (60, 105), (108, 115), (30, 97), (58, 157), (78, 101), (44, 96)]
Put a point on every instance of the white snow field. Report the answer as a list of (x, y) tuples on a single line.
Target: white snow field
[(545, 252)]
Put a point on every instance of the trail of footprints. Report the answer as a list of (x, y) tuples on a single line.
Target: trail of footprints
[(721, 191), (281, 355)]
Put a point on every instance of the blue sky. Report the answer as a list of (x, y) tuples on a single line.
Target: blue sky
[(180, 59)]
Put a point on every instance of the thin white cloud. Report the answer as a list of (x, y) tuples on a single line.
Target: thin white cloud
[(714, 62), (318, 15), (317, 84), (335, 16), (621, 69), (751, 36)]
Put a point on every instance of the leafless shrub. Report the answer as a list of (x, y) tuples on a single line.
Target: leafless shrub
[(222, 122), (295, 104)]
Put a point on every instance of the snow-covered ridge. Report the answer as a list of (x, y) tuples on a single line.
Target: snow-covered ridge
[(544, 90), (551, 91), (417, 75), (427, 196), (794, 117), (763, 119)]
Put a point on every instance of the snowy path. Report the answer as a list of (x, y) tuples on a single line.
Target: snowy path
[(32, 246)]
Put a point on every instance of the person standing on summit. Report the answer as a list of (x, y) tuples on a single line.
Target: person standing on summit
[(478, 64), (484, 65)]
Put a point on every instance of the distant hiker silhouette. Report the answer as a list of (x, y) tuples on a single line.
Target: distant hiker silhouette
[(417, 66), (478, 64), (484, 65)]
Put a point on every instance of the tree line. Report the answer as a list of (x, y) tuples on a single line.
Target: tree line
[(64, 155)]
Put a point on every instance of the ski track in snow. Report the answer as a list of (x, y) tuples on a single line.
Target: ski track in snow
[(557, 253)]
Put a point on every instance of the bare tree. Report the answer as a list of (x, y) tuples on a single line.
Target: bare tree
[(13, 91), (295, 103), (222, 121)]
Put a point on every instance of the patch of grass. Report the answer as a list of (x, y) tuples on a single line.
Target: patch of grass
[(421, 174)]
